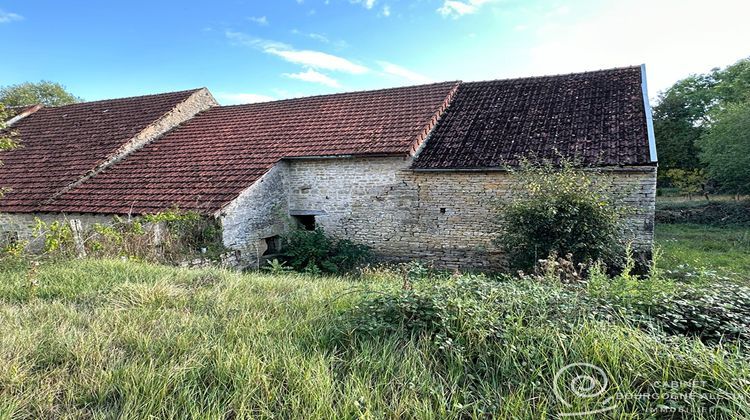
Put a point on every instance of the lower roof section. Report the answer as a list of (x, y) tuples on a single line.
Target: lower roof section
[(208, 161), (60, 145)]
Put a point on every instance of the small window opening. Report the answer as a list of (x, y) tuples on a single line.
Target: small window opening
[(273, 245), (307, 221), (442, 210)]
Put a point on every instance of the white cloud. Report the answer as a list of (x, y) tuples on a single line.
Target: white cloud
[(251, 41), (673, 37), (318, 60), (337, 44), (458, 8), (306, 58), (242, 98), (404, 73), (260, 20), (314, 77), (318, 37), (386, 11), (7, 17), (369, 4)]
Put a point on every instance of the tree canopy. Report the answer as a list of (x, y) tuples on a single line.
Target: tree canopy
[(689, 126), (43, 92), (725, 149)]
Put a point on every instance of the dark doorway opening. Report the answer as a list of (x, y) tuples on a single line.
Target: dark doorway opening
[(307, 221), (273, 245)]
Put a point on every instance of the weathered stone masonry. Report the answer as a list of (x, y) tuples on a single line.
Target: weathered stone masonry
[(21, 225), (261, 211), (446, 218)]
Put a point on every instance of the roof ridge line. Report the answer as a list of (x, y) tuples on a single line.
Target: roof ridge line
[(129, 97), (548, 76), (327, 95)]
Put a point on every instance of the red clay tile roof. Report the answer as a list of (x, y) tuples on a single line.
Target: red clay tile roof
[(206, 162), (61, 144), (596, 118)]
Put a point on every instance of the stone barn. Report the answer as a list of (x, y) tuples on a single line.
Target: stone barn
[(413, 172)]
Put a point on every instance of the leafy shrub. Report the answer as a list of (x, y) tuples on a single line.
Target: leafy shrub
[(277, 267), (561, 210), (463, 313), (717, 313), (313, 251), (688, 181), (712, 311), (188, 233), (57, 236)]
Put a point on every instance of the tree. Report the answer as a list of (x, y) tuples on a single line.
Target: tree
[(733, 83), (44, 92), (680, 119), (687, 110), (561, 210), (689, 181), (725, 148)]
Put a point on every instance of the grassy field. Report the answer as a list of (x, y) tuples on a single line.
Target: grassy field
[(112, 339), (724, 250)]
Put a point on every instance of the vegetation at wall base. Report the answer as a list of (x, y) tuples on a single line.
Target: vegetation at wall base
[(168, 237), (316, 252)]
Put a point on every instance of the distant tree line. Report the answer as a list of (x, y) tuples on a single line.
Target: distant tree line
[(702, 126)]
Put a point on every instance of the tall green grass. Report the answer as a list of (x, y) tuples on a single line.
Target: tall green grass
[(112, 339), (723, 250)]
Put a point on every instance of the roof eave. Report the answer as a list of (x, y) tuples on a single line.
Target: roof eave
[(649, 117), (647, 167)]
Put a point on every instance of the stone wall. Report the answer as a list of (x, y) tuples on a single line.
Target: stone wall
[(260, 212), (22, 225), (446, 218)]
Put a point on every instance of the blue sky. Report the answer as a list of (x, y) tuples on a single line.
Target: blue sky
[(246, 51)]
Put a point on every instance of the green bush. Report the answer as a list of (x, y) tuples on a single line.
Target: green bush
[(516, 333), (464, 312), (714, 312), (313, 251), (561, 210)]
